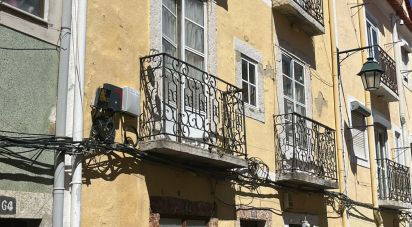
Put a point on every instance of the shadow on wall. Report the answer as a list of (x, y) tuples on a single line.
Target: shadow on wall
[(223, 4), (294, 40), (18, 165), (349, 145), (189, 193)]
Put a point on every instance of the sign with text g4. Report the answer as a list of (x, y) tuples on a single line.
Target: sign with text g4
[(7, 205)]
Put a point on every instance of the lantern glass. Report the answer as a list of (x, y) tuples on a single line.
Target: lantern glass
[(370, 74), (371, 80)]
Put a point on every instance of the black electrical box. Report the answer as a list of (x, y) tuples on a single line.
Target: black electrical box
[(109, 97)]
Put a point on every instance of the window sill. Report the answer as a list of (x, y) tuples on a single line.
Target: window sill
[(23, 14)]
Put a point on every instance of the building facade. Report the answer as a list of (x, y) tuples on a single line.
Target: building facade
[(307, 118), (29, 53), (234, 113)]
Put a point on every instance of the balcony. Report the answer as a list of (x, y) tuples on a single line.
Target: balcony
[(394, 185), (389, 86), (305, 152), (190, 116), (307, 14)]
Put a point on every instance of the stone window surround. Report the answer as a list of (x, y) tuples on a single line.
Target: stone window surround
[(254, 214), (46, 29), (243, 48), (361, 162), (279, 81), (161, 205), (210, 30)]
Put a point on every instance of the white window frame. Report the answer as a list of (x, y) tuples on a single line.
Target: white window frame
[(250, 62), (294, 99), (41, 18), (369, 19), (180, 45), (243, 48), (46, 28), (396, 146)]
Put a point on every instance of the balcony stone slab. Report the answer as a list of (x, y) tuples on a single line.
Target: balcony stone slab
[(305, 180), (297, 15), (189, 153)]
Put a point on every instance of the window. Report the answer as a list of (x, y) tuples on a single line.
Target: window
[(373, 36), (293, 85), (34, 7), (249, 77), (183, 30), (358, 131), (249, 81), (187, 44), (399, 151), (169, 222)]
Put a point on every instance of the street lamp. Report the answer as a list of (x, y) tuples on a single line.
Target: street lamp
[(370, 74), (371, 71)]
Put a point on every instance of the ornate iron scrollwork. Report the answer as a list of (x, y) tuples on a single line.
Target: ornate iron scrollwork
[(185, 104), (304, 145), (314, 8), (394, 181)]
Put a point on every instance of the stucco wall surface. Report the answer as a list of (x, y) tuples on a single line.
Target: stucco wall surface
[(28, 89)]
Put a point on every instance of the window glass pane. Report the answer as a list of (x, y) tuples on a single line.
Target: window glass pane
[(194, 36), (245, 92), (252, 74), (167, 222), (35, 7), (287, 87), (301, 110), (169, 25), (252, 90), (288, 106), (244, 70), (171, 5), (168, 48), (286, 65), (194, 11), (195, 223), (194, 59), (300, 93), (299, 73)]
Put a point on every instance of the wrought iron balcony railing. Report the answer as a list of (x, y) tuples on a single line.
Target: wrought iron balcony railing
[(313, 7), (394, 181), (184, 104), (304, 145), (387, 64)]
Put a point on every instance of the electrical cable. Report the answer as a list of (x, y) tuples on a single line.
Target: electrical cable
[(253, 177)]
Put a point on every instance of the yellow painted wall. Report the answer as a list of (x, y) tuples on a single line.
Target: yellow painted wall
[(119, 33)]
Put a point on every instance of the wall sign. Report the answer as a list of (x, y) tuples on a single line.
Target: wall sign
[(7, 205)]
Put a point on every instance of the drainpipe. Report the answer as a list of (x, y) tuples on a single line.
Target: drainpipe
[(369, 120), (336, 101), (61, 110), (76, 184), (401, 91)]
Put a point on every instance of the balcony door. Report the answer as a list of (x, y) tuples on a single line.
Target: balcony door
[(185, 83), (381, 141), (372, 33)]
